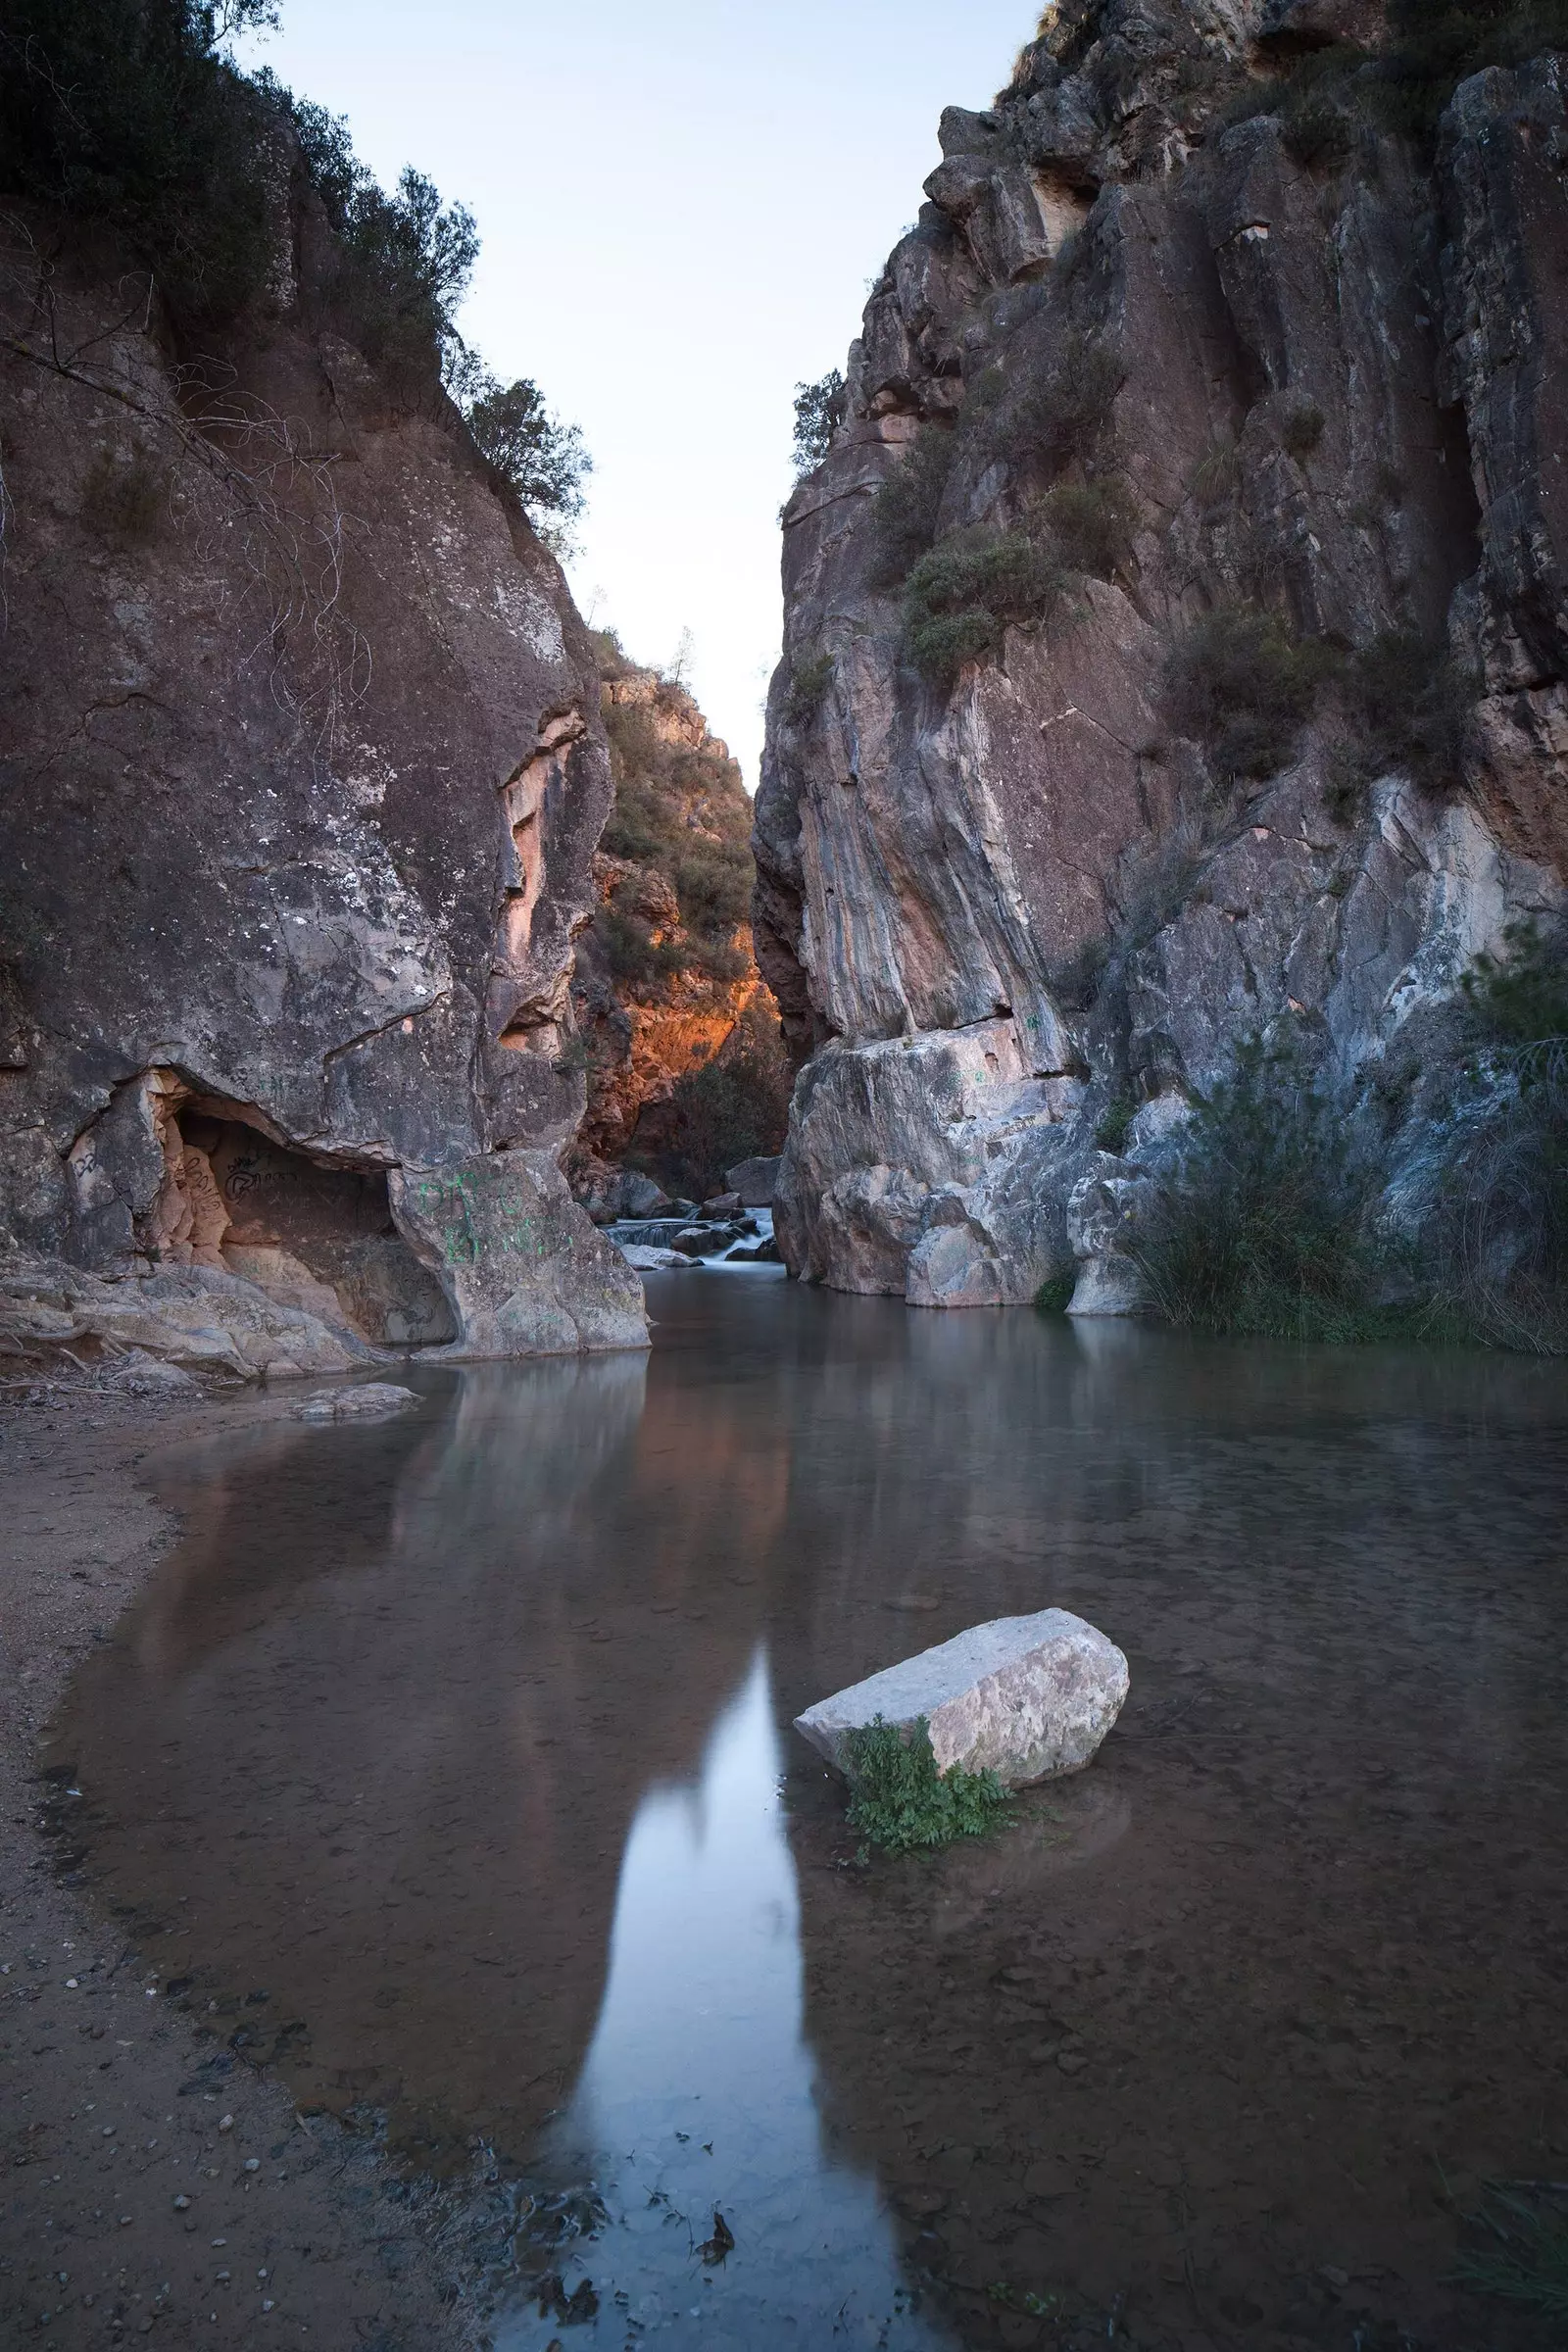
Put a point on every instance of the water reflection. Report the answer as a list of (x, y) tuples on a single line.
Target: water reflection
[(697, 2098), (408, 1758)]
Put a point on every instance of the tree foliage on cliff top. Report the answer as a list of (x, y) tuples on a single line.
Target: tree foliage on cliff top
[(127, 114), (129, 117)]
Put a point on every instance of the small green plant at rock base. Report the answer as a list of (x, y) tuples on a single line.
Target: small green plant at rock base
[(897, 1798), (1055, 1295), (1266, 1223)]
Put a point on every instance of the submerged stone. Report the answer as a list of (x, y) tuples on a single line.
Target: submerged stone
[(1025, 1697), (370, 1401)]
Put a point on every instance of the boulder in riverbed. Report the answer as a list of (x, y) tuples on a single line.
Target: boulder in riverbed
[(1026, 1697), (367, 1400)]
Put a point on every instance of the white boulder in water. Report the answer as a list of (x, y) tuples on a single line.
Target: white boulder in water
[(370, 1401), (1028, 1697)]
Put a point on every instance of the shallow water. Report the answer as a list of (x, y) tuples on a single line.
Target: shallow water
[(451, 1760)]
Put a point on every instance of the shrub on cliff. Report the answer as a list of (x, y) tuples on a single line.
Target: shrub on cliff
[(960, 599), (818, 410), (1507, 1180), (126, 116), (1266, 1223), (541, 459), (1241, 684), (1057, 416), (904, 515)]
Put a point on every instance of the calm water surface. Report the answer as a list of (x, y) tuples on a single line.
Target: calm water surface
[(451, 1760)]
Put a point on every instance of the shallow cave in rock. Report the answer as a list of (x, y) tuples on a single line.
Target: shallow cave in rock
[(320, 1238)]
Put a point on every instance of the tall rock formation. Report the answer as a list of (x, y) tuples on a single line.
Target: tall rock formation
[(666, 987), (1176, 638), (304, 774)]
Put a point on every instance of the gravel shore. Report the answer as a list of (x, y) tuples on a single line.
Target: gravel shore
[(153, 2184)]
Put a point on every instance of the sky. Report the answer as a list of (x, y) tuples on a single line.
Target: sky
[(681, 210)]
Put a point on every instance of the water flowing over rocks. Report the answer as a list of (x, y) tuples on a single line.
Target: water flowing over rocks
[(1197, 353), (1025, 1697), (304, 777)]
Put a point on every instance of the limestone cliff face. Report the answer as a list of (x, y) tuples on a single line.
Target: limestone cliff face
[(666, 985), (1193, 352), (303, 773)]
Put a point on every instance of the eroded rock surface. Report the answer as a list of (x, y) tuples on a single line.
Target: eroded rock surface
[(304, 772), (1278, 358)]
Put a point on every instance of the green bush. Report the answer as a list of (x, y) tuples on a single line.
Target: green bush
[(807, 685), (1413, 702), (543, 461), (635, 956), (1508, 1178), (1110, 1134), (897, 1798), (1217, 472), (1091, 524), (403, 261), (1523, 2257), (818, 410), (1241, 684), (1055, 1295), (1433, 46), (684, 812), (960, 599), (905, 512), (1265, 1224), (126, 115), (1301, 428), (1061, 414)]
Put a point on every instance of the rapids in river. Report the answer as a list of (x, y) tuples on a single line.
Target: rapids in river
[(450, 1757)]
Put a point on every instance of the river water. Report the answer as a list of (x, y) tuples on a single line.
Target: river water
[(450, 1758)]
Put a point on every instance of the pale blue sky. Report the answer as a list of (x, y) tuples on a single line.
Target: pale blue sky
[(681, 208)]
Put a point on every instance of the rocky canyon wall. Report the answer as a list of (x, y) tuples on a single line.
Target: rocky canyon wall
[(1175, 630), (303, 773), (686, 1071)]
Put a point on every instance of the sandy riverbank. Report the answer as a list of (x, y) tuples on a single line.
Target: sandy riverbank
[(152, 2184)]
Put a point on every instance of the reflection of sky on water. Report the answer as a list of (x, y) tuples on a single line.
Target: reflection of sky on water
[(697, 2091)]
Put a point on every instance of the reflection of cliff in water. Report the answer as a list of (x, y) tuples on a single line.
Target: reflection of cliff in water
[(377, 1736), (376, 1703)]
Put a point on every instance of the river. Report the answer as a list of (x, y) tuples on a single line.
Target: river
[(446, 1763)]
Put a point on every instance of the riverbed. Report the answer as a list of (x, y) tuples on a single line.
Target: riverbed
[(445, 1767)]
